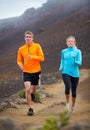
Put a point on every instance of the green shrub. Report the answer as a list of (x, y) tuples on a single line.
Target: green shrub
[(50, 124), (64, 118), (55, 123), (22, 93), (37, 97)]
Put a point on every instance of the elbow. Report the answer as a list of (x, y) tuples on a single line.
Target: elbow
[(80, 63), (42, 59), (60, 68)]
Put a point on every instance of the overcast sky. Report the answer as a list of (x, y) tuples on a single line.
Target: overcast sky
[(12, 8)]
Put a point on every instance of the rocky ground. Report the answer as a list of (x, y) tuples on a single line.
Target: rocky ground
[(52, 103)]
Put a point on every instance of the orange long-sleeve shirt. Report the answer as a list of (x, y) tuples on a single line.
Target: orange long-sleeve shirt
[(31, 65)]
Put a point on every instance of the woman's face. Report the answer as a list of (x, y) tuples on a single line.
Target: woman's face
[(70, 42)]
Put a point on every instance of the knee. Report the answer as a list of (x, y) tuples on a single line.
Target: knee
[(27, 89), (74, 94), (67, 92)]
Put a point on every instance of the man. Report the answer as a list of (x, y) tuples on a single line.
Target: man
[(28, 59)]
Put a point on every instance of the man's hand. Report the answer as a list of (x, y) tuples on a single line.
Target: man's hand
[(29, 57), (21, 67)]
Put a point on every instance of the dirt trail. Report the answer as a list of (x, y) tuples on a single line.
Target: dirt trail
[(55, 104)]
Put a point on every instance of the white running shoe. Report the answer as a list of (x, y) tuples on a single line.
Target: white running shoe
[(67, 107), (72, 109)]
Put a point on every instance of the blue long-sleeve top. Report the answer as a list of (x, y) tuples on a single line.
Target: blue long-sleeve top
[(71, 59)]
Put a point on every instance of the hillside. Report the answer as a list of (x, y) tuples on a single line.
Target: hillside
[(52, 105), (51, 24)]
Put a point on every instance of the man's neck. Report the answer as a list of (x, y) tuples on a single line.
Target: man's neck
[(29, 44)]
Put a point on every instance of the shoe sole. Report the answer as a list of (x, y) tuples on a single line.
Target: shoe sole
[(30, 113)]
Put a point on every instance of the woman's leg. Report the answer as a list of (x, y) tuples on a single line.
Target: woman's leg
[(74, 85), (67, 82)]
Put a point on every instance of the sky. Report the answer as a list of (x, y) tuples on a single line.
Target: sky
[(13, 8)]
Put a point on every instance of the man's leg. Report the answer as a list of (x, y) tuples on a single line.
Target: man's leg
[(33, 92), (28, 96), (35, 80), (27, 92)]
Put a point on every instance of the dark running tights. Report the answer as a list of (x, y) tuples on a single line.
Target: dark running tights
[(70, 83)]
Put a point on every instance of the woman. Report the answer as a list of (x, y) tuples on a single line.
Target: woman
[(71, 59)]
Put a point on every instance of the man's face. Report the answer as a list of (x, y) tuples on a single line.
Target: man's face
[(28, 39)]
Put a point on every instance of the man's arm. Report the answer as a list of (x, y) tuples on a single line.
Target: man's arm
[(19, 60), (39, 56)]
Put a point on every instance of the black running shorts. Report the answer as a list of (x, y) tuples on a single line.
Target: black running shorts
[(31, 77)]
